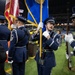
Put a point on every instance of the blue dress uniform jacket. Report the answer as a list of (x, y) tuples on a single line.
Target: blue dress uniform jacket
[(4, 36), (19, 39), (48, 56), (18, 51)]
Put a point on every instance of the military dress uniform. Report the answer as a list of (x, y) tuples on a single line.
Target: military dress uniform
[(18, 51), (47, 61), (70, 37), (4, 38)]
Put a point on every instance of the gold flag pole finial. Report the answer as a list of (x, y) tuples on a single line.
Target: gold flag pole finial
[(39, 1)]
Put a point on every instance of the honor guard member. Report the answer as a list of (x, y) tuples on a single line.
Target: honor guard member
[(4, 38), (50, 42), (70, 37), (17, 52), (73, 19)]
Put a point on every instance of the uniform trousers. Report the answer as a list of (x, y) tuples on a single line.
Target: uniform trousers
[(43, 70), (48, 59), (18, 68)]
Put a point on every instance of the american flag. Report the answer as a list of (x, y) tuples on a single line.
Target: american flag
[(11, 11)]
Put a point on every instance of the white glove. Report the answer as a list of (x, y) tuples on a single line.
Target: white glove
[(72, 53), (40, 25), (13, 26), (69, 38), (7, 52), (10, 62), (46, 34)]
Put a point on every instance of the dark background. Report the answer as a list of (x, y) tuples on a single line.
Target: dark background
[(60, 9)]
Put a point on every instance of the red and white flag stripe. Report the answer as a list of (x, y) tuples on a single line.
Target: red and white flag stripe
[(14, 8)]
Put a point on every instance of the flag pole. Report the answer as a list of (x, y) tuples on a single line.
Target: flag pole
[(40, 28)]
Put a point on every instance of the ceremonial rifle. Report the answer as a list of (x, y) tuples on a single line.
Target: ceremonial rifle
[(67, 44)]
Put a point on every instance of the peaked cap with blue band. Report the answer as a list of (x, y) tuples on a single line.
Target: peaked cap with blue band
[(22, 19), (51, 20)]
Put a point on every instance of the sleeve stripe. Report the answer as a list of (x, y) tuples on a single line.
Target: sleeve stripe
[(51, 44), (55, 36)]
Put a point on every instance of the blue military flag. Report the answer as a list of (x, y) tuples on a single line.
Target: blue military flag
[(34, 10)]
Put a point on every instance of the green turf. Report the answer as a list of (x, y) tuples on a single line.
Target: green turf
[(31, 68), (62, 66), (60, 69)]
